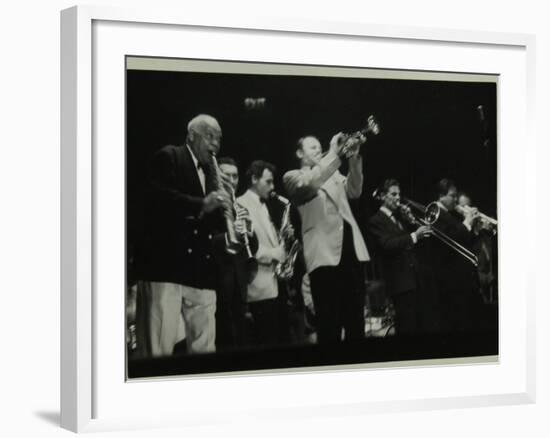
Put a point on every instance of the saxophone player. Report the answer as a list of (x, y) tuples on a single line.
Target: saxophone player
[(263, 291), (185, 231)]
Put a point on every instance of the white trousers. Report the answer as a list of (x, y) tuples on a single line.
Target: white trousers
[(169, 302)]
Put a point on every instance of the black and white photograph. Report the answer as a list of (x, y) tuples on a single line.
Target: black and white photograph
[(301, 217)]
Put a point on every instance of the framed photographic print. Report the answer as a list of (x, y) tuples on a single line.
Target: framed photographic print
[(249, 208)]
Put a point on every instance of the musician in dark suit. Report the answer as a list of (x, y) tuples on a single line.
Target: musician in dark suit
[(395, 240), (235, 272), (484, 247), (184, 232), (456, 277)]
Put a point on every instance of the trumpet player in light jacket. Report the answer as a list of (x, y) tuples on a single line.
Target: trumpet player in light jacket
[(334, 248)]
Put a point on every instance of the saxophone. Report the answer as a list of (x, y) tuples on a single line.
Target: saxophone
[(285, 270)]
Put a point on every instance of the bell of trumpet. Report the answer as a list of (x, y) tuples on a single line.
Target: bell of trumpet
[(487, 222)]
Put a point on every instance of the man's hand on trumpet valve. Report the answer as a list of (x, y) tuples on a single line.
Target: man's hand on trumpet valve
[(347, 145), (471, 215), (352, 145), (337, 142)]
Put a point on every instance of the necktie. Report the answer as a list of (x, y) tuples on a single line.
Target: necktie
[(396, 221)]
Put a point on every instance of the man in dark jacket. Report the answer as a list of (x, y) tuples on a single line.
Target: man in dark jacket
[(395, 254), (456, 276), (235, 272), (185, 231)]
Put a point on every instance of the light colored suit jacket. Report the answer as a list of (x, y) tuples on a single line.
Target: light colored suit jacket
[(321, 194), (264, 286)]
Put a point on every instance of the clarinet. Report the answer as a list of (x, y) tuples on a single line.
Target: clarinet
[(232, 243), (251, 262)]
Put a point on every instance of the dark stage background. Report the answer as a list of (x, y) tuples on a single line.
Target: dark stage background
[(429, 130)]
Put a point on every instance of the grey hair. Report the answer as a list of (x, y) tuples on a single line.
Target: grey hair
[(201, 120)]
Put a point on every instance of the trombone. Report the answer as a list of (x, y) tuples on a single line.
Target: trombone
[(428, 216)]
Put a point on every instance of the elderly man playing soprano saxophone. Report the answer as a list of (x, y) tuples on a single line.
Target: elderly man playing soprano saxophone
[(185, 230)]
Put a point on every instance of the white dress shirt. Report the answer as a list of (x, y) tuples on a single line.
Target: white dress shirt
[(264, 286)]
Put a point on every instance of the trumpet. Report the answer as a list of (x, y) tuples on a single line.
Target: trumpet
[(285, 269), (371, 127), (487, 221)]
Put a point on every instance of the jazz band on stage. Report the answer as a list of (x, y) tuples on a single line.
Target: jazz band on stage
[(215, 271)]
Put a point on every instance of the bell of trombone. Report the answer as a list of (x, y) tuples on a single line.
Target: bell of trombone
[(429, 216)]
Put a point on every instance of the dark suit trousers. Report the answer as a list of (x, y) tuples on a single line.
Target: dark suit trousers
[(265, 326), (407, 316), (230, 320), (338, 294)]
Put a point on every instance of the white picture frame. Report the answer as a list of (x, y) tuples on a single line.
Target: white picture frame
[(93, 396)]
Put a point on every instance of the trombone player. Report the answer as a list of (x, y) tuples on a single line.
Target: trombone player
[(396, 236)]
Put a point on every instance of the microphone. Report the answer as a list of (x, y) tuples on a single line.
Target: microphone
[(481, 116), (481, 113)]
